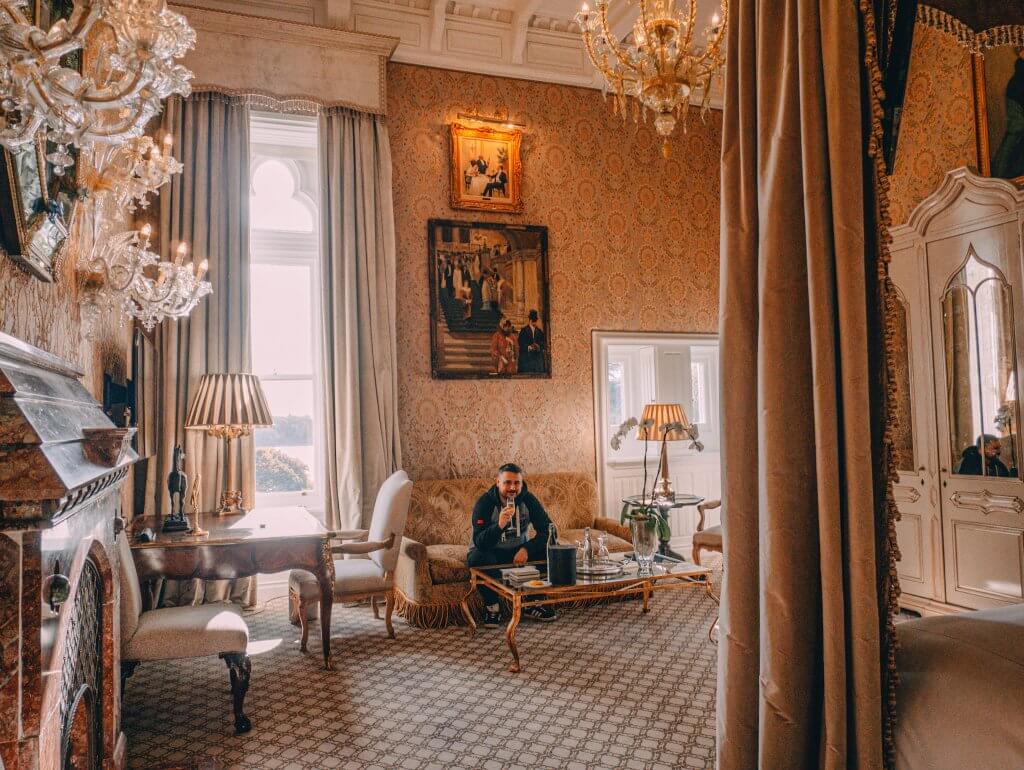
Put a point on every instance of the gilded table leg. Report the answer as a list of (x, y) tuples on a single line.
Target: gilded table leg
[(325, 579), (647, 596), (510, 632), (464, 605)]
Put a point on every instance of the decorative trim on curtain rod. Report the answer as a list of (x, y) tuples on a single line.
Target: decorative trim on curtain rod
[(293, 105), (975, 42), (889, 514)]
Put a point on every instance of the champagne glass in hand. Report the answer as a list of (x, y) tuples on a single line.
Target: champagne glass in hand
[(507, 512)]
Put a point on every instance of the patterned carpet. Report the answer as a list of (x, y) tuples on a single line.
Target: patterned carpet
[(603, 687)]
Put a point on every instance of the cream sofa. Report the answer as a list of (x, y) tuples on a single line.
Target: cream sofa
[(432, 577)]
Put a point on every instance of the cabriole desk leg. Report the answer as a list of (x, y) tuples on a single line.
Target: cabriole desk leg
[(325, 579)]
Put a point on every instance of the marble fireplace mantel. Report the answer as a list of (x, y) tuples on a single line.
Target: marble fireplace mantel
[(59, 589)]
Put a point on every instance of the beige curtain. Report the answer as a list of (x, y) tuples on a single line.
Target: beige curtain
[(207, 205), (800, 655), (358, 306)]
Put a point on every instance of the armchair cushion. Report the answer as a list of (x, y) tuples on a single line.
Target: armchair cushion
[(351, 576), (710, 538), (447, 563), (187, 632)]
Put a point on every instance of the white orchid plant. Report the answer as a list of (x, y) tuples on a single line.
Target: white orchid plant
[(647, 508)]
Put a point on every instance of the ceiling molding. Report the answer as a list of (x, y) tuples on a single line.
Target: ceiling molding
[(526, 39)]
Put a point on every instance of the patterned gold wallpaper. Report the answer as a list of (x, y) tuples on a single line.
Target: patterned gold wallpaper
[(937, 132), (47, 315), (633, 245)]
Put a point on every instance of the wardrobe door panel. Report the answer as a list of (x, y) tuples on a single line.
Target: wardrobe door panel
[(974, 280), (919, 530)]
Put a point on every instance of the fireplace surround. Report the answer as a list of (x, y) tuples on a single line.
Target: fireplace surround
[(60, 515)]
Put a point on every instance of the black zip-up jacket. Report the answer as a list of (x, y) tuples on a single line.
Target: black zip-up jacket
[(487, 535)]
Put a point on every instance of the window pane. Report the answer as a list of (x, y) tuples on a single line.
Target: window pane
[(274, 204), (698, 386), (284, 451), (616, 410), (282, 319)]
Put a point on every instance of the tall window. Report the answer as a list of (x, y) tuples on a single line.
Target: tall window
[(285, 247)]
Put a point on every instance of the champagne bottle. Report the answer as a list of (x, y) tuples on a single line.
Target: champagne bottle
[(552, 541)]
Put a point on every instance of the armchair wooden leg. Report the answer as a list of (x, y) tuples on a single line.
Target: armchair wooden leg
[(696, 555), (293, 608), (376, 610), (239, 668), (304, 623), (389, 608)]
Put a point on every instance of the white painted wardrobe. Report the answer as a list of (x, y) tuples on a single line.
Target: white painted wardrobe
[(957, 265)]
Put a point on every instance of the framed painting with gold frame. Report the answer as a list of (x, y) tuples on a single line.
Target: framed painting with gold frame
[(487, 172), (999, 111)]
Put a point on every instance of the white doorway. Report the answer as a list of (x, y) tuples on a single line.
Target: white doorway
[(633, 369)]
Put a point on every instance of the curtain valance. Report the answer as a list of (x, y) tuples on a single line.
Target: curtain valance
[(301, 66)]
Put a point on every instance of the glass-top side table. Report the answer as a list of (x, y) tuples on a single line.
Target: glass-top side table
[(682, 500)]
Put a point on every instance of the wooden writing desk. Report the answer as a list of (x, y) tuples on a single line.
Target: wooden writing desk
[(240, 545)]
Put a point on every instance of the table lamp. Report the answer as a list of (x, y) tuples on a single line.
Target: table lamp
[(229, 406), (659, 417)]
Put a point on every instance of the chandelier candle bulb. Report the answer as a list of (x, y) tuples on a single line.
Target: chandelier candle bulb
[(179, 257)]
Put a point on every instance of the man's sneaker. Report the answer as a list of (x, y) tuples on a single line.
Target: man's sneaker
[(492, 619), (542, 613)]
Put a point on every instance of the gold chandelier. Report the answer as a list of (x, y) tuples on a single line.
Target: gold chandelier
[(659, 64)]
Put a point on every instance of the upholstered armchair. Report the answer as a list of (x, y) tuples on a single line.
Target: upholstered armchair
[(356, 579), (171, 633), (710, 538)]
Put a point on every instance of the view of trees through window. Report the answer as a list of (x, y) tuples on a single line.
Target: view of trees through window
[(284, 317)]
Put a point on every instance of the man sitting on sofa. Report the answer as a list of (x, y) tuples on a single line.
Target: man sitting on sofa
[(510, 526)]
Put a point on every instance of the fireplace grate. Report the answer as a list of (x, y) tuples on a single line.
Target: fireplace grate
[(81, 676)]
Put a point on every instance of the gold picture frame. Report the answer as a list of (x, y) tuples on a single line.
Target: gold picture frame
[(992, 72), (486, 168)]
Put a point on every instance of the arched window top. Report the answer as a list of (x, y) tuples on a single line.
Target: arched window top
[(277, 202)]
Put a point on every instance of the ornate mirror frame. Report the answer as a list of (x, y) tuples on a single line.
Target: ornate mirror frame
[(36, 205), (33, 225)]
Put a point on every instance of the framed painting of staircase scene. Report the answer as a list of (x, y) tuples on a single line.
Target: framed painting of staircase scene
[(489, 313)]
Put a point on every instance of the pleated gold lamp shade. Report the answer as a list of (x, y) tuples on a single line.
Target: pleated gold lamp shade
[(229, 406), (651, 421)]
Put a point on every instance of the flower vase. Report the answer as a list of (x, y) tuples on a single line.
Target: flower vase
[(644, 530)]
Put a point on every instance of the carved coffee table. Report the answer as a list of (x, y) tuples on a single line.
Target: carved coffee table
[(668, 574), (263, 540)]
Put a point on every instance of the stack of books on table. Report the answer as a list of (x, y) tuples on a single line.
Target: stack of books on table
[(517, 576)]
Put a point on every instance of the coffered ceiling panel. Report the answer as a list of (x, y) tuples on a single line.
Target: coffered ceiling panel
[(528, 39)]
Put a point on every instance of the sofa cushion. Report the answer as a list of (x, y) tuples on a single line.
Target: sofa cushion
[(447, 563), (615, 544)]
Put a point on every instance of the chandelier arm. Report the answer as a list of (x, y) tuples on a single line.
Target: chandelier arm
[(602, 65), (71, 38), (691, 12), (611, 42)]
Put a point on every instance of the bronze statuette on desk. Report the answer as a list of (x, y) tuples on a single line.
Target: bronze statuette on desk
[(263, 540)]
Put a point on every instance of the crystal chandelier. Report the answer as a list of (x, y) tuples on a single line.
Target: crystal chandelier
[(660, 63), (127, 49), (127, 276)]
